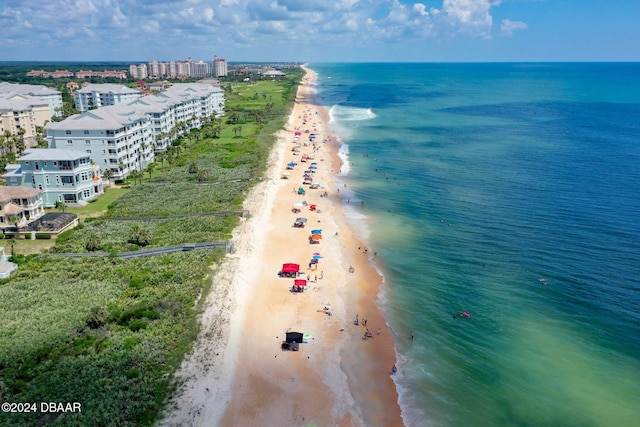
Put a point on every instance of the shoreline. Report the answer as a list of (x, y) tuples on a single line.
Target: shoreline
[(337, 377)]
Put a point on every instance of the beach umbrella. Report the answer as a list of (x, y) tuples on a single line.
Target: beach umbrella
[(317, 257), (291, 164), (316, 253), (298, 133), (301, 219), (316, 231), (298, 205), (316, 236)]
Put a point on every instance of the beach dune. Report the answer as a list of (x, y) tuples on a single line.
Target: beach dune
[(238, 374)]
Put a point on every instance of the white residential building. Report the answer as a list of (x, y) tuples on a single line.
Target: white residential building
[(101, 95), (124, 137), (219, 67), (138, 71), (51, 96), (117, 137)]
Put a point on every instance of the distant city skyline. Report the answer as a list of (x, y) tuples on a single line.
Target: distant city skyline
[(321, 30)]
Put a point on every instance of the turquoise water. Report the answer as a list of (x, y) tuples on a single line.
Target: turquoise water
[(512, 192)]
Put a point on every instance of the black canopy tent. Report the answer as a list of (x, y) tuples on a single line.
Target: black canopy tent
[(292, 341)]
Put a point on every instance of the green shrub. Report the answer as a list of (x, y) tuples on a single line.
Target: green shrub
[(43, 236)]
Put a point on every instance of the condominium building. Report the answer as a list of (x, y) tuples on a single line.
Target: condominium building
[(219, 67), (20, 114), (117, 137), (66, 176), (51, 96), (138, 71), (100, 95), (124, 137)]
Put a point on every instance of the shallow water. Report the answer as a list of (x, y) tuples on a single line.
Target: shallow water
[(509, 191)]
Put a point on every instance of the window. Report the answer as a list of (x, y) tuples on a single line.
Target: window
[(89, 151), (69, 142), (46, 179), (68, 132), (55, 163), (87, 142), (39, 186), (86, 132)]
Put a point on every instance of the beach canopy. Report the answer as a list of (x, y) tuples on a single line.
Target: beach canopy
[(290, 268), (317, 256), (316, 253), (300, 282), (298, 133), (316, 236), (294, 337), (316, 231), (299, 204), (291, 165), (301, 219)]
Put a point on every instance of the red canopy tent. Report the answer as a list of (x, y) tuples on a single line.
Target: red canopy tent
[(299, 285), (289, 270)]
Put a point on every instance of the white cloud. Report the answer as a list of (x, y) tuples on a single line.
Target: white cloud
[(470, 17), (208, 14), (258, 23), (507, 27)]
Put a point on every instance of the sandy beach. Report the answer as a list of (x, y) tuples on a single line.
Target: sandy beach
[(238, 375)]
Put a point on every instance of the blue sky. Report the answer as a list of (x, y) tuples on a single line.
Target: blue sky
[(320, 30)]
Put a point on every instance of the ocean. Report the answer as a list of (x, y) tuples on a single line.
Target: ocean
[(510, 192)]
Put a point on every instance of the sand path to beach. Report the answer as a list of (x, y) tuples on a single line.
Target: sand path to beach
[(238, 375)]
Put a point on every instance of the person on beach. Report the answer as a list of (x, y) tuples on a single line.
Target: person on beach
[(394, 369), (378, 331)]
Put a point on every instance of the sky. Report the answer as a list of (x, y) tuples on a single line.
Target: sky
[(320, 30)]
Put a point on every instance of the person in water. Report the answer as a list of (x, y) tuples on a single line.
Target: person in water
[(394, 369)]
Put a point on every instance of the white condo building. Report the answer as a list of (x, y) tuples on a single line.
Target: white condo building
[(51, 96), (219, 67), (138, 71), (124, 137), (117, 137), (101, 95)]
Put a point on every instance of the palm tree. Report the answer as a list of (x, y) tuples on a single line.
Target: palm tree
[(135, 175), (150, 169), (108, 173), (93, 243), (139, 235), (143, 147), (61, 206)]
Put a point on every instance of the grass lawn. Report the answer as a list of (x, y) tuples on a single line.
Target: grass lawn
[(99, 207)]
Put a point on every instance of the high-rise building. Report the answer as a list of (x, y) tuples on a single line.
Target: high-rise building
[(219, 67), (138, 71)]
